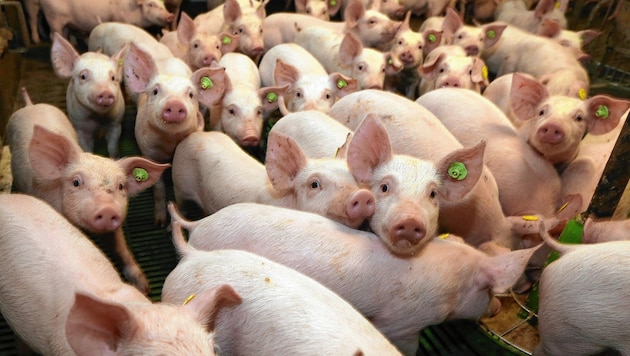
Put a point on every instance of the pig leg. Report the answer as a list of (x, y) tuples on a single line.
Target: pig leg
[(159, 195), (86, 139), (131, 269), (113, 138), (32, 8)]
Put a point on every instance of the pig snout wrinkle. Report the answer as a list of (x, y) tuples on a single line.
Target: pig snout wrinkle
[(550, 133), (106, 219), (105, 98), (406, 57), (361, 205), (174, 111), (407, 232)]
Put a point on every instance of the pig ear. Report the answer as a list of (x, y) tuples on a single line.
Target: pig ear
[(186, 29), (492, 34), (50, 153), (342, 151), (260, 10), (405, 24), (353, 13), (428, 70), (432, 40), (229, 42), (269, 96), (211, 83), (460, 171), (479, 72), (369, 148), (205, 306), (452, 22), (343, 85), (604, 113), (393, 64), (333, 7), (118, 59), (141, 173), (63, 56), (588, 35), (284, 160), (139, 68), (300, 6), (526, 95), (549, 28), (285, 73), (349, 49), (94, 326), (231, 11), (544, 7), (499, 273)]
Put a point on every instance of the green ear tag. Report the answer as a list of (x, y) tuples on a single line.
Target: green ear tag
[(206, 83), (226, 40), (457, 170), (120, 62), (333, 2), (341, 83), (272, 97), (140, 174), (491, 34), (432, 38), (602, 112), (390, 61)]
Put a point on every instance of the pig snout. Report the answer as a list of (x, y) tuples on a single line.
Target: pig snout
[(550, 133), (174, 111), (471, 50), (169, 18), (257, 51), (105, 219), (406, 56), (451, 82), (407, 232), (105, 98), (494, 308), (360, 204), (250, 139), (208, 59)]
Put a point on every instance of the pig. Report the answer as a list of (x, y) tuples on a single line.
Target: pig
[(196, 48), (603, 230), (94, 100), (240, 18), (576, 40), (410, 47), (373, 28), (310, 87), (399, 295), (288, 178), (442, 69), (327, 323), (415, 131), (70, 300), (517, 13), (546, 60), (554, 125), (89, 190), (84, 16), (528, 184), (321, 9), (168, 108), (392, 8), (239, 112), (588, 283), (345, 54)]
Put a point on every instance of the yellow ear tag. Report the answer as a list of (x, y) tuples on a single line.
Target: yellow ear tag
[(341, 84), (562, 207), (582, 93), (206, 83), (457, 170), (484, 72), (556, 5), (140, 174), (443, 236), (226, 40), (190, 297), (120, 62), (272, 97), (602, 112), (530, 217)]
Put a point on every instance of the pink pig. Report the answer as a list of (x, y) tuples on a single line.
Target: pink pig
[(516, 12), (196, 48), (399, 295), (62, 296), (321, 9), (94, 100), (275, 300), (89, 190), (442, 69)]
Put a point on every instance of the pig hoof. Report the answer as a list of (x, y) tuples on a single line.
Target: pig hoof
[(139, 281), (160, 218)]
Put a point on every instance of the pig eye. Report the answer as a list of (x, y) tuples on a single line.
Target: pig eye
[(113, 78), (400, 42), (231, 111), (298, 94), (260, 31), (259, 112), (190, 95), (308, 11), (196, 45), (315, 184), (433, 194), (541, 113), (470, 72), (83, 76), (328, 96), (76, 182), (460, 36), (579, 118), (384, 188), (372, 22), (121, 186), (361, 67), (155, 91), (218, 46), (240, 30), (441, 70), (419, 46)]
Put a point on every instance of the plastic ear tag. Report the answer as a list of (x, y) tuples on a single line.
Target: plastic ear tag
[(556, 5), (341, 83), (530, 217), (443, 236), (491, 34), (190, 297), (457, 170), (333, 2), (602, 112), (484, 72), (272, 97), (226, 40), (140, 174), (390, 61), (582, 93), (206, 83), (120, 62), (562, 207), (432, 38)]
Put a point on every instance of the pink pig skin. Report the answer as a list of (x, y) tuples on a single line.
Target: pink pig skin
[(528, 184), (392, 8), (196, 48), (240, 18), (168, 108), (554, 125), (515, 12), (320, 9), (289, 178), (70, 300), (310, 86), (442, 69), (89, 190), (400, 296), (416, 132), (582, 300), (94, 100), (275, 300), (596, 231), (85, 15)]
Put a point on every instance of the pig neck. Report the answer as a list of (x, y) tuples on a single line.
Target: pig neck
[(78, 111), (269, 195)]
